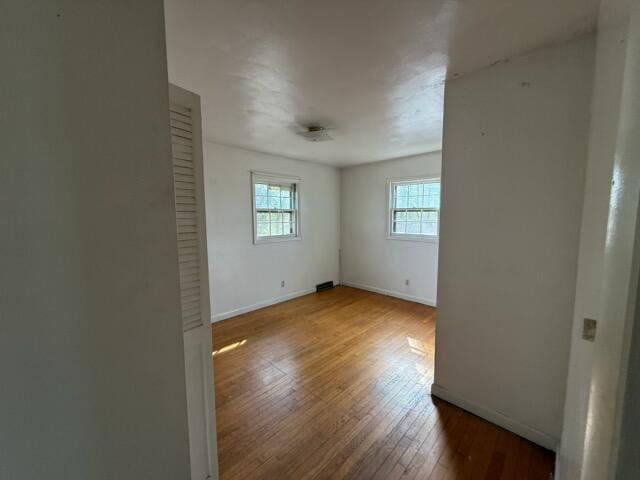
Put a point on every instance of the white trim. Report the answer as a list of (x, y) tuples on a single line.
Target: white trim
[(257, 306), (428, 177), (390, 293), (276, 239), (415, 238), (274, 177), (509, 423)]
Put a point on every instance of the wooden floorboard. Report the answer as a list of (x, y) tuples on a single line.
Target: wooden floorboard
[(335, 385)]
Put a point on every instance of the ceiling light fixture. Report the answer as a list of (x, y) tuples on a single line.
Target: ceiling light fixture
[(314, 133)]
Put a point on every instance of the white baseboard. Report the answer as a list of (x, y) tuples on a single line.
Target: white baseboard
[(391, 293), (256, 306), (508, 423)]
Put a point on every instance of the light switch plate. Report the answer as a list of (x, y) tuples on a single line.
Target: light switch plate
[(589, 329)]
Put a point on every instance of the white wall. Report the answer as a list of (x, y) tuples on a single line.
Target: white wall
[(245, 276), (91, 357), (369, 259), (515, 150), (598, 425)]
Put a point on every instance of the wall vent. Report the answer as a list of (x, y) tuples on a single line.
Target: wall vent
[(321, 287)]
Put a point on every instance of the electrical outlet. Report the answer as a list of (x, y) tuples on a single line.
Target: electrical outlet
[(406, 282), (282, 284)]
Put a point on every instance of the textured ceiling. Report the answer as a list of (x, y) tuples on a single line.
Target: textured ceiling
[(373, 71)]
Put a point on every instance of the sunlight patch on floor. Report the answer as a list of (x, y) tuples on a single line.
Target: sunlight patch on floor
[(418, 347), (228, 348)]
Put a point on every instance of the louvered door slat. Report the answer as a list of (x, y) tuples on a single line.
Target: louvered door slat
[(189, 275), (188, 292), (187, 222), (180, 144), (184, 196), (174, 107), (182, 169), (182, 162), (180, 133), (181, 125), (187, 236), (185, 185), (180, 117), (185, 205)]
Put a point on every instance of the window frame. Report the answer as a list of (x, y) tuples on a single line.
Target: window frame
[(274, 178), (390, 183)]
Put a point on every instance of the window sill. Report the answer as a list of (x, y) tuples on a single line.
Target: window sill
[(415, 238), (266, 240)]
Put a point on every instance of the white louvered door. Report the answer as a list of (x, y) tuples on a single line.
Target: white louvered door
[(186, 147), (188, 204)]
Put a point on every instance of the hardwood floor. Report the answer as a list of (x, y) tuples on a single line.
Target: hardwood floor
[(336, 385)]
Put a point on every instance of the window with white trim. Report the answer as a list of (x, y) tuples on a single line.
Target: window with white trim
[(414, 209), (275, 207)]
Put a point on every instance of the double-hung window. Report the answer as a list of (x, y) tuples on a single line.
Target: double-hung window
[(275, 207), (414, 209)]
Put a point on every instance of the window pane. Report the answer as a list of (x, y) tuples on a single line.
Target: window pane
[(413, 216), (432, 188), (433, 191), (286, 217), (285, 193), (275, 217), (274, 203), (413, 228), (285, 203), (430, 217), (263, 217), (276, 229), (261, 202), (263, 229), (400, 216), (429, 228), (286, 228), (402, 190), (274, 191), (399, 227), (432, 201), (401, 202), (429, 223), (414, 202), (261, 189), (414, 189)]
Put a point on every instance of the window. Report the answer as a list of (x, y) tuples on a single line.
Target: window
[(275, 207), (414, 209)]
